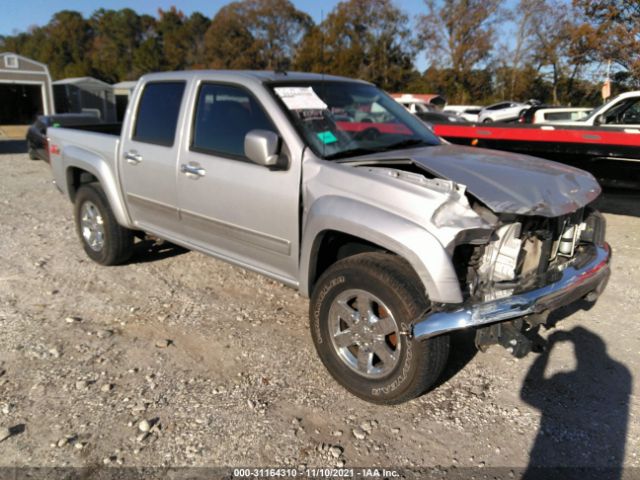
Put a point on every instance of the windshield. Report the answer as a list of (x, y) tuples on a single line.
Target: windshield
[(598, 110), (346, 119)]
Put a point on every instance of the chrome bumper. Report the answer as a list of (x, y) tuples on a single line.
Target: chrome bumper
[(575, 283)]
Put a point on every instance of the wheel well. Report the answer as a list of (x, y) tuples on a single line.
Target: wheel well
[(76, 177), (332, 246)]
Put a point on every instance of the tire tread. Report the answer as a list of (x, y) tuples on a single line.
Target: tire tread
[(119, 240), (399, 276)]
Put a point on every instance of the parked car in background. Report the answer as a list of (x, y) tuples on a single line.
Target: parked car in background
[(426, 112), (440, 117), (414, 105), (622, 111), (37, 133), (502, 112), (551, 114), (432, 101), (468, 112)]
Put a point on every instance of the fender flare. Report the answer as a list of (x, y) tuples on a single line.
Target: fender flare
[(409, 240), (95, 165)]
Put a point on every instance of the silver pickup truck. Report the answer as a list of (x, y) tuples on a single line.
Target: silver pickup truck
[(328, 185)]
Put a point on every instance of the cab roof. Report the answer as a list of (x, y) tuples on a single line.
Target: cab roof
[(261, 76)]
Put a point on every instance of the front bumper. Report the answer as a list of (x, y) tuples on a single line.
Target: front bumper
[(574, 283)]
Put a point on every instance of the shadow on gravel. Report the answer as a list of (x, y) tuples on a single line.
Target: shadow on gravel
[(462, 349), (619, 202), (13, 146), (584, 412), (150, 250)]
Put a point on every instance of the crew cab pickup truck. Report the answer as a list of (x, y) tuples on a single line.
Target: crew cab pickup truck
[(622, 111), (331, 187)]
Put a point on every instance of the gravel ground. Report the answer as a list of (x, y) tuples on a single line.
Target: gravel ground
[(178, 359)]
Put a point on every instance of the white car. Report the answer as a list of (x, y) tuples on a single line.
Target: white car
[(553, 115), (413, 104), (468, 112), (622, 111), (502, 112)]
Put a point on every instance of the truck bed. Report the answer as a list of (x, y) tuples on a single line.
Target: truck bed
[(95, 144), (106, 128)]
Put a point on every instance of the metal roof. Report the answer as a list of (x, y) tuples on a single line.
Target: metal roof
[(128, 85), (81, 80), (27, 59)]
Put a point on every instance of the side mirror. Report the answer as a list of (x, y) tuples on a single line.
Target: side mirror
[(262, 147), (599, 120)]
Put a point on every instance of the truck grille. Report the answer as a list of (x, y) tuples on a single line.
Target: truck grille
[(522, 253)]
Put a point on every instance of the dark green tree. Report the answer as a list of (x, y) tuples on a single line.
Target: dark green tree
[(260, 34), (117, 35), (68, 37), (368, 39)]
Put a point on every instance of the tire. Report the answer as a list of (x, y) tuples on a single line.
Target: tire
[(103, 239), (391, 290), (32, 152), (487, 120)]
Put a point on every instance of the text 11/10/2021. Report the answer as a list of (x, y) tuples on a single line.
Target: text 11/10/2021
[(332, 473)]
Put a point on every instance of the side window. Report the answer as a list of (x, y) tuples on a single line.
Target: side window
[(558, 116), (224, 115), (157, 115), (11, 61), (631, 115)]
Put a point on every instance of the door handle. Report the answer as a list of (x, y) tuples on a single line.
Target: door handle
[(133, 157), (192, 171)]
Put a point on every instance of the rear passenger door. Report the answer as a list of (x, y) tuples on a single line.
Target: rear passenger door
[(231, 207), (149, 155)]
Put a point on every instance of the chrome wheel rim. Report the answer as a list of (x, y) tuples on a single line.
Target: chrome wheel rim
[(364, 333), (92, 226)]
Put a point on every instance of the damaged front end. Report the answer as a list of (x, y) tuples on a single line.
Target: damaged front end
[(530, 267), (521, 233)]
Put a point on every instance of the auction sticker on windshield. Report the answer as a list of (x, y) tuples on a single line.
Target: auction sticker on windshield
[(300, 98)]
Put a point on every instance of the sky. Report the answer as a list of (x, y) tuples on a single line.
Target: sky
[(18, 15)]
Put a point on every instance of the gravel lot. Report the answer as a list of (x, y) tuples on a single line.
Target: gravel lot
[(218, 365)]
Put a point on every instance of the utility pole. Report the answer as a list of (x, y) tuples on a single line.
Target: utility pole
[(606, 88)]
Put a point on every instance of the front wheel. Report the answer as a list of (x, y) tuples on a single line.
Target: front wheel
[(103, 239), (361, 312)]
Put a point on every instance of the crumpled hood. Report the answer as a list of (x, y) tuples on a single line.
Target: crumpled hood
[(507, 182)]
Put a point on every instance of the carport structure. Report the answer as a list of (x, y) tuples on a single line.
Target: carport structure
[(85, 95), (25, 90)]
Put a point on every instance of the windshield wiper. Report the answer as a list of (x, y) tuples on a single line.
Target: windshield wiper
[(352, 152)]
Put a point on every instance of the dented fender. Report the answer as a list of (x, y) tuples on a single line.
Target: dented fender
[(409, 240)]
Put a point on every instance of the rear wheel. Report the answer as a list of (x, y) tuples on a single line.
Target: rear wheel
[(103, 239), (487, 120), (362, 309)]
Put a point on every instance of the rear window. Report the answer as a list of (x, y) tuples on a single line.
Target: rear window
[(558, 116), (158, 111)]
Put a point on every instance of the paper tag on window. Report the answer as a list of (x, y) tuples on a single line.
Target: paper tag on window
[(300, 98)]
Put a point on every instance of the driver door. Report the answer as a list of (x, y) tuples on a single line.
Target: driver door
[(229, 206)]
